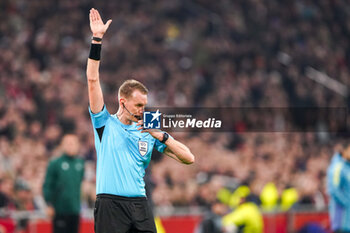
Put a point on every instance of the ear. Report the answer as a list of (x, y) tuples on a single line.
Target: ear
[(122, 101)]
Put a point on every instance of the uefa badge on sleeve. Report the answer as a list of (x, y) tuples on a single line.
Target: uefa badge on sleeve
[(151, 120)]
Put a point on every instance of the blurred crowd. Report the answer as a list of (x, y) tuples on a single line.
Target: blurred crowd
[(200, 53)]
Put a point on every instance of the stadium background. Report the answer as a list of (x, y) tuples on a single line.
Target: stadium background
[(199, 53)]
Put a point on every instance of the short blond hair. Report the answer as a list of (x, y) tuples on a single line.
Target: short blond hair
[(129, 86)]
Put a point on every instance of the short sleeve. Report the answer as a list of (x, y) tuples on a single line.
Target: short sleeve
[(99, 119), (160, 146)]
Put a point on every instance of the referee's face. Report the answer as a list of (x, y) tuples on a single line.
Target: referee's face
[(136, 104)]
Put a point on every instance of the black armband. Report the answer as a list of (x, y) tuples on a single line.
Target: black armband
[(97, 39), (95, 52)]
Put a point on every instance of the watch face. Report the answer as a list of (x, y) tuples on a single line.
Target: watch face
[(165, 137)]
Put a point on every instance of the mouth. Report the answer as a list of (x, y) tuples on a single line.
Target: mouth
[(138, 117)]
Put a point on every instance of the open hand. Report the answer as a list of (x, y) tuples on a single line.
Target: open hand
[(98, 28)]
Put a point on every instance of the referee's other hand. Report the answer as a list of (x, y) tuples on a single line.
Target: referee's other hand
[(156, 133)]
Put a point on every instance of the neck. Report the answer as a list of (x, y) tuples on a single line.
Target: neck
[(123, 118)]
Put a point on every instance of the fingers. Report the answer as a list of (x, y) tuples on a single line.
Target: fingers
[(108, 23), (90, 16), (93, 14), (98, 17), (143, 130), (140, 122)]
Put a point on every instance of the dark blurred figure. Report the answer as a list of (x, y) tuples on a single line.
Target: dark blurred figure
[(6, 193), (212, 219), (3, 197), (312, 228), (23, 202), (62, 187)]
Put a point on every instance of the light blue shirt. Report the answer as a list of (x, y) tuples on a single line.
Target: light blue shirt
[(338, 182), (123, 153)]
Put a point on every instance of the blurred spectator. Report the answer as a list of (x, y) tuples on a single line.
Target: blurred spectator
[(23, 202), (3, 197), (289, 197), (269, 197), (211, 222), (62, 187), (245, 218), (6, 193)]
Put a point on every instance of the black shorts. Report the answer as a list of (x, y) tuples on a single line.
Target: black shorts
[(116, 214)]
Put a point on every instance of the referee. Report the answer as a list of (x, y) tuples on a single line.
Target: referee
[(123, 148)]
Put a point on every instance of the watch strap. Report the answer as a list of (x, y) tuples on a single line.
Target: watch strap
[(165, 137)]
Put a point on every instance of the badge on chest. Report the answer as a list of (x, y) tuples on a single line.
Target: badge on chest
[(143, 147)]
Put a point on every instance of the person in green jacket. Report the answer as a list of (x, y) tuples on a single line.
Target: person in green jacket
[(62, 187)]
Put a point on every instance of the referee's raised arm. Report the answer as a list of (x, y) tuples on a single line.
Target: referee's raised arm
[(98, 29)]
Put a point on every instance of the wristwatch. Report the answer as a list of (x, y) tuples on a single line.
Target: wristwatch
[(165, 137)]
